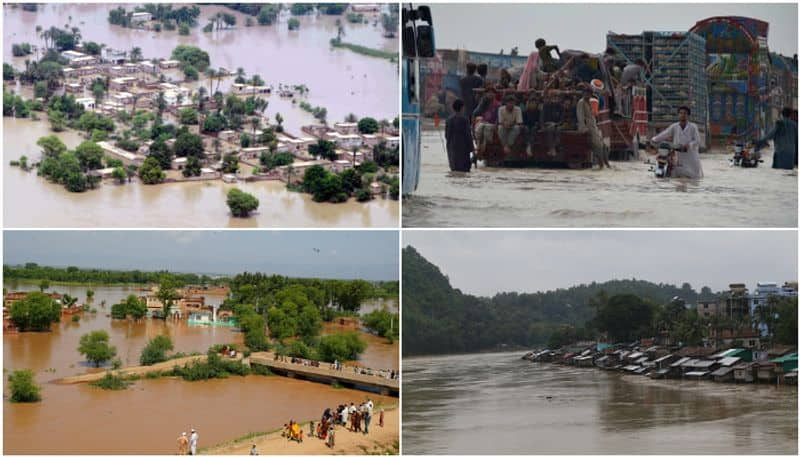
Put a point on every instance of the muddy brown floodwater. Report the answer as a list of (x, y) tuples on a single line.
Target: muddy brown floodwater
[(338, 79), (627, 196), (499, 404), (148, 417)]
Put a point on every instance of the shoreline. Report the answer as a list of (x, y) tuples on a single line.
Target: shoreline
[(380, 440)]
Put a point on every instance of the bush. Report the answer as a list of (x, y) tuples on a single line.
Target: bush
[(241, 203), (76, 318), (94, 346), (156, 350), (23, 388), (214, 367), (341, 346), (111, 382), (363, 195), (293, 24), (150, 172)]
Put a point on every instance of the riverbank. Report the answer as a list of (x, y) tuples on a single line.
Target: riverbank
[(381, 440)]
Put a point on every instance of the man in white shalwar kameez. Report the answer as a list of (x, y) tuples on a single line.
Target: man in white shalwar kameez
[(687, 140)]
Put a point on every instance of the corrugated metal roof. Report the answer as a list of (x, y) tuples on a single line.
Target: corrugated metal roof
[(661, 359), (785, 358), (680, 362), (729, 361), (722, 371)]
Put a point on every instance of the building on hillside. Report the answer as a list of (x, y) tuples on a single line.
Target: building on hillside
[(760, 298), (736, 302)]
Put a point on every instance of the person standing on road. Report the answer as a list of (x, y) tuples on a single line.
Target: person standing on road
[(183, 444), (193, 442)]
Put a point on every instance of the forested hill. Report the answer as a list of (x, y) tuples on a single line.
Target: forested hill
[(438, 319)]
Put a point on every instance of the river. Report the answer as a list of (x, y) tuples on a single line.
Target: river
[(148, 417), (338, 79), (499, 404), (627, 196)]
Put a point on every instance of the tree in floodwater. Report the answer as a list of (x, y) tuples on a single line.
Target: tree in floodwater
[(96, 348), (155, 350), (35, 312), (23, 388), (167, 293)]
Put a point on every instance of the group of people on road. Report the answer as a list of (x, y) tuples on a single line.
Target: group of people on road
[(187, 444), (353, 418)]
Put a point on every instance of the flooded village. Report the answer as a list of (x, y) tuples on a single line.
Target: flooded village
[(193, 352), (142, 115)]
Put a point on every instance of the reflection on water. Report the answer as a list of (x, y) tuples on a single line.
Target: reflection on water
[(498, 404), (628, 196), (148, 417), (31, 201), (339, 80)]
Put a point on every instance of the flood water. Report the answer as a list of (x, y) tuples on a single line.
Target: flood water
[(627, 196), (148, 417), (338, 79), (499, 404), (32, 201)]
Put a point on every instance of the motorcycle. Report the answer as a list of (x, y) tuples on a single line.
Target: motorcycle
[(665, 160), (745, 156)]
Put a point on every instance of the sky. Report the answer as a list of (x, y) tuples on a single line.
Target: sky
[(370, 255), (484, 263), (492, 27)]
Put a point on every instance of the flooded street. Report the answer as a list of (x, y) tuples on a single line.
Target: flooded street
[(627, 196), (148, 417), (187, 204), (498, 404), (338, 79)]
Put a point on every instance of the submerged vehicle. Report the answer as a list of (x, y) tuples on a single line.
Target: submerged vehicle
[(418, 43), (666, 158), (745, 156)]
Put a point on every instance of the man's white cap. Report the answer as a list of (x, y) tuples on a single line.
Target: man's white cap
[(184, 433), (193, 430)]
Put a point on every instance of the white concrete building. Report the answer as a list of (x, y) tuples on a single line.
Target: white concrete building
[(87, 102)]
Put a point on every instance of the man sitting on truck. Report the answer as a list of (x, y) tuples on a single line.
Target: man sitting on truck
[(487, 112), (549, 64), (686, 140), (509, 121), (588, 124), (530, 117)]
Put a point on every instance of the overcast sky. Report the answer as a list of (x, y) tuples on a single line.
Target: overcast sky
[(484, 263), (491, 27), (370, 255)]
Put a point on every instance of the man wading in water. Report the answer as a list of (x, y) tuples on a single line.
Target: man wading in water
[(183, 444), (458, 134), (687, 141)]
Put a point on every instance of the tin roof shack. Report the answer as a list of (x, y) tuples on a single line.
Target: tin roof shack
[(677, 65), (786, 363), (745, 372), (746, 355), (722, 374), (737, 64), (766, 372)]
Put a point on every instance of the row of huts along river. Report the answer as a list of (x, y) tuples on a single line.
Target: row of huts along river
[(777, 365)]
